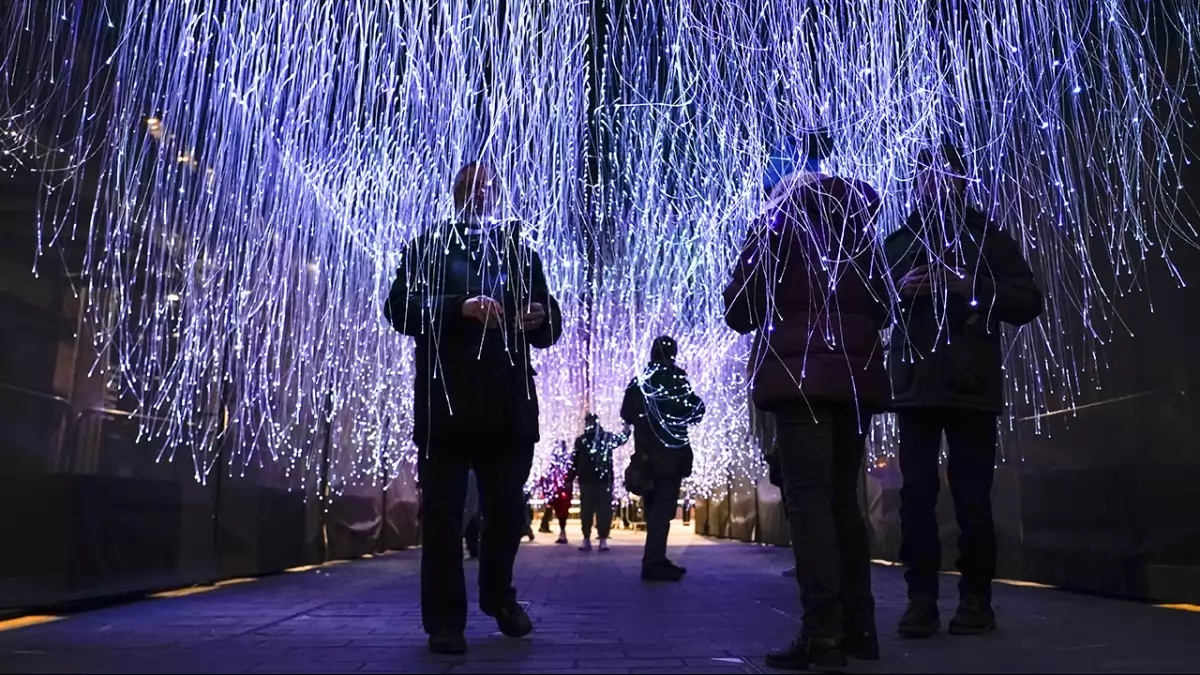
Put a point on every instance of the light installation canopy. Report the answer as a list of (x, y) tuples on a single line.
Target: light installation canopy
[(243, 174)]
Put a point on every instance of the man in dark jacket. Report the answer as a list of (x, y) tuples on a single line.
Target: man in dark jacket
[(660, 406), (959, 278), (805, 283), (592, 464), (475, 300)]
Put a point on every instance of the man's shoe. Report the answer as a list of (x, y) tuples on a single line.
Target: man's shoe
[(921, 619), (586, 545), (975, 616), (809, 653), (512, 620), (447, 643), (603, 544), (861, 645), (661, 572)]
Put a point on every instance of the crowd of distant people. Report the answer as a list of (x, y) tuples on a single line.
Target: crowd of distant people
[(817, 289)]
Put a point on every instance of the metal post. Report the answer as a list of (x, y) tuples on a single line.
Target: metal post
[(383, 485), (323, 482)]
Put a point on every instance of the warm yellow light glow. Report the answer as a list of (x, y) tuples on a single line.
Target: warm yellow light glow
[(1181, 607), (182, 592), (27, 621), (1023, 584)]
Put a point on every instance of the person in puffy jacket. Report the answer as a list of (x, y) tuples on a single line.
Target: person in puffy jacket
[(809, 285)]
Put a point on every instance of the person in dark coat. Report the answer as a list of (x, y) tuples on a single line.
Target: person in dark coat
[(558, 487), (660, 405), (592, 464), (473, 297), (959, 278), (804, 284)]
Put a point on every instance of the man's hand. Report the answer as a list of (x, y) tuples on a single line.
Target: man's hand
[(961, 283), (532, 318), (915, 282), (485, 310)]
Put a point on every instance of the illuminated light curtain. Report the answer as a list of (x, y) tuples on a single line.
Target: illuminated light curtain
[(263, 164), (1067, 118), (259, 165)]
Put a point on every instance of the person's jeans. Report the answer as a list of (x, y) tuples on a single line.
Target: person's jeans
[(501, 471), (970, 465), (595, 502), (821, 453), (659, 504)]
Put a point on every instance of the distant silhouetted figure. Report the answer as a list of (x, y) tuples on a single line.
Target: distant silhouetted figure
[(592, 464), (472, 527), (660, 405), (558, 487)]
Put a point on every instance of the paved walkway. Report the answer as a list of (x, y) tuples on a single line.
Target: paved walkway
[(592, 613)]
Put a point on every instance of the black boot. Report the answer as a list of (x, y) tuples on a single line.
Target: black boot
[(447, 642), (921, 619), (975, 616), (511, 619), (662, 571), (861, 645), (805, 653)]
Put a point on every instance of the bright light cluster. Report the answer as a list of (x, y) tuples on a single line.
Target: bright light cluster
[(260, 164)]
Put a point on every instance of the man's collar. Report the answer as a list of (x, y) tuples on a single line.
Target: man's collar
[(787, 185)]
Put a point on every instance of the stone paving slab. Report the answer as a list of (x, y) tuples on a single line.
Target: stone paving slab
[(592, 614)]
